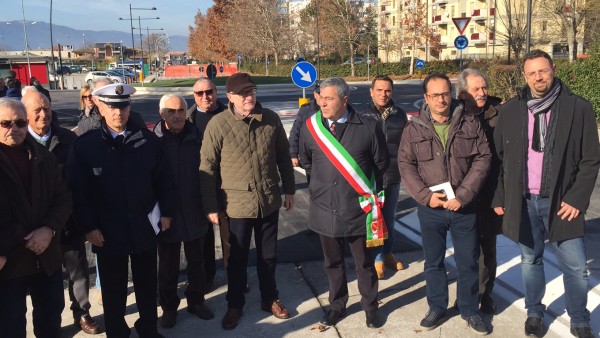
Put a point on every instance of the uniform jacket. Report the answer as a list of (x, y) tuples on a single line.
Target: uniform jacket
[(60, 144), (307, 110), (242, 162), (92, 121), (200, 119), (115, 186), (183, 152), (488, 222), (575, 163), (50, 206), (334, 206), (464, 163), (392, 127)]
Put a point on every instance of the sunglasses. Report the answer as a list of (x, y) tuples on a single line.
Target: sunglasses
[(8, 124), (202, 92), (86, 97)]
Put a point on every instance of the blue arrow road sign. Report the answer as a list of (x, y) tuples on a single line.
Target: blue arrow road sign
[(420, 63), (461, 42), (304, 74)]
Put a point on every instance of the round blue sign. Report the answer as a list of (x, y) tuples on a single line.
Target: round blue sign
[(461, 42), (304, 74), (420, 63)]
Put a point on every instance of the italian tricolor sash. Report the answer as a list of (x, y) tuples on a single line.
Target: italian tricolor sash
[(370, 202)]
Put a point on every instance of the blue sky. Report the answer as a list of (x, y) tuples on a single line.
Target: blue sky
[(175, 15)]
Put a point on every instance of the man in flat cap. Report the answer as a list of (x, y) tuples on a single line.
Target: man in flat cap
[(244, 153), (122, 185)]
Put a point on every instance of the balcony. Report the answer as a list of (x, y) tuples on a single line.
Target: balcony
[(478, 38), (440, 19), (444, 41), (479, 14)]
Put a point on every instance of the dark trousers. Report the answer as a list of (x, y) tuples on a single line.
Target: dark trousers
[(435, 224), (76, 264), (265, 239), (487, 264), (47, 298), (335, 268), (210, 263), (168, 273), (114, 275)]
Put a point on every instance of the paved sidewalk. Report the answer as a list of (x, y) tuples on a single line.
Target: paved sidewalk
[(303, 289)]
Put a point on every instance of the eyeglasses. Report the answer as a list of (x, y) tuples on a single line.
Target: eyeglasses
[(202, 92), (172, 111), (436, 97), (541, 72), (247, 93), (8, 124), (83, 97)]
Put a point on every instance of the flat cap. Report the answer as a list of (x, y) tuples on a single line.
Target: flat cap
[(116, 95)]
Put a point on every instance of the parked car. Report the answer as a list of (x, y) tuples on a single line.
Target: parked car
[(86, 69), (124, 79), (91, 76), (76, 68), (357, 60), (64, 70), (127, 72)]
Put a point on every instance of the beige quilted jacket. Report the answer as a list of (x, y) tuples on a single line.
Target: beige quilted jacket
[(242, 162)]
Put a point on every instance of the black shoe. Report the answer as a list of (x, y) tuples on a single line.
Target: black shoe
[(487, 304), (432, 320), (333, 317), (201, 310), (582, 332), (476, 324), (373, 320), (168, 319), (534, 326)]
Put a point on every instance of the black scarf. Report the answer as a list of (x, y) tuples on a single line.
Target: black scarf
[(539, 108)]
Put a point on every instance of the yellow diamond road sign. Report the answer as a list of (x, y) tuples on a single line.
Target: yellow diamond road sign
[(461, 24)]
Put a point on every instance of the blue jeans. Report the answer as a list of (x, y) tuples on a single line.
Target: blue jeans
[(47, 298), (571, 257), (435, 224), (392, 195)]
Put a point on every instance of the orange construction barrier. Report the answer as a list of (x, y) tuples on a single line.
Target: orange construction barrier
[(198, 70)]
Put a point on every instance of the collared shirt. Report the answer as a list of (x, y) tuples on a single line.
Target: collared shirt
[(342, 119), (114, 134), (40, 139), (535, 160)]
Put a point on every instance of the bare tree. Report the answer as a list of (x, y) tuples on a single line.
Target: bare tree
[(417, 33), (514, 22), (570, 15)]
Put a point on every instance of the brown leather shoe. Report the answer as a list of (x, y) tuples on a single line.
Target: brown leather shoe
[(276, 308), (89, 325), (231, 319)]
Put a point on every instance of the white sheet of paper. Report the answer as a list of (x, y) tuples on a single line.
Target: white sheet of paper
[(446, 187), (154, 218)]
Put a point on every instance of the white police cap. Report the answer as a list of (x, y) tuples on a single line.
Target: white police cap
[(115, 95)]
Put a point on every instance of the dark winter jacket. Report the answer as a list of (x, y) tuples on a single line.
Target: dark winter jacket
[(115, 186), (183, 152), (200, 119), (334, 206), (464, 163), (50, 206), (393, 126), (575, 161), (306, 111)]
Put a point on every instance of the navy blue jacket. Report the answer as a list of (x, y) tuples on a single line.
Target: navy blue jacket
[(115, 186), (306, 111)]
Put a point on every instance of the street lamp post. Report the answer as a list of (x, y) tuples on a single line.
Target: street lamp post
[(131, 23), (52, 47), (26, 42)]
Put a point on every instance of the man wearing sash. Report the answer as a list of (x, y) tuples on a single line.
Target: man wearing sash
[(444, 159), (346, 155)]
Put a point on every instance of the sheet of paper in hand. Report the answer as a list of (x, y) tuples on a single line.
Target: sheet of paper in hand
[(444, 188)]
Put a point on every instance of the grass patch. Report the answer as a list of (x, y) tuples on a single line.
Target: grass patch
[(219, 81)]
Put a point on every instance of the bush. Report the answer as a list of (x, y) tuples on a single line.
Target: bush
[(581, 77)]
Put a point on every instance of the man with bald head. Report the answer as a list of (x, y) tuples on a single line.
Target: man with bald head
[(34, 207), (58, 141), (181, 141), (205, 107)]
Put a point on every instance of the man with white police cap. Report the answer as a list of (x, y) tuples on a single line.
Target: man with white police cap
[(119, 175)]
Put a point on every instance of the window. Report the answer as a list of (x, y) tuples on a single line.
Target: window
[(544, 26)]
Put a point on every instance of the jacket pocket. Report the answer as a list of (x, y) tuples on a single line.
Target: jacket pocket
[(422, 148), (464, 145)]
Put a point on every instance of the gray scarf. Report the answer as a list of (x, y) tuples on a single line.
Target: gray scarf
[(539, 108)]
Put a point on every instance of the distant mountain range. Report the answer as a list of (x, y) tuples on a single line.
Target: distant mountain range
[(38, 36)]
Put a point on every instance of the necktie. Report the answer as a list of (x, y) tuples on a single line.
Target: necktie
[(119, 139), (332, 128)]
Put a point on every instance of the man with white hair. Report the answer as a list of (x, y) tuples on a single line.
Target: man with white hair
[(181, 142)]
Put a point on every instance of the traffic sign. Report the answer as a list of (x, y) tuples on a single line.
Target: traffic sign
[(239, 56), (461, 42), (211, 71), (221, 69), (300, 60), (461, 24), (420, 63), (201, 69), (304, 74)]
